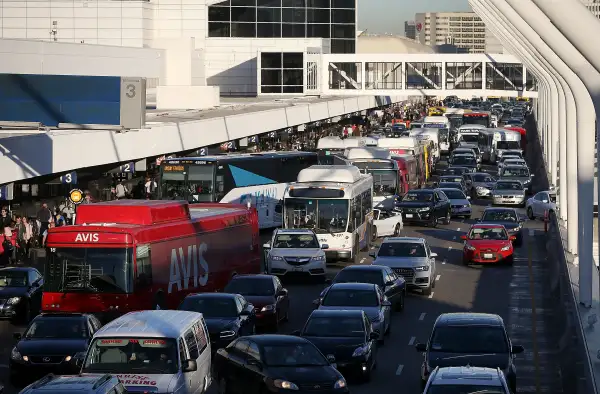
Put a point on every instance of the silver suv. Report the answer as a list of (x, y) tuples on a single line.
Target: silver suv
[(410, 258), (295, 252), (466, 380)]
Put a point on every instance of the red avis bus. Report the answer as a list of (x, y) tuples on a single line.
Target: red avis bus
[(130, 255), (480, 118), (523, 133)]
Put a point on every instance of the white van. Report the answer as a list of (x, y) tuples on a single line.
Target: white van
[(163, 351)]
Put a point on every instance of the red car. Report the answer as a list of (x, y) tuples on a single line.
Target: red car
[(488, 243)]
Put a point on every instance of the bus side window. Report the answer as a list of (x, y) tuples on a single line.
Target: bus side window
[(143, 266), (182, 355)]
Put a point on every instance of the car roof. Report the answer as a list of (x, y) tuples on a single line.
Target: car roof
[(18, 269), (294, 231), (336, 313), (62, 314), (486, 225), (212, 295), (79, 383), (444, 189), (411, 240), (451, 176), (151, 323), (266, 339), (499, 209), (370, 267), (428, 191), (467, 375), (247, 276), (469, 319), (353, 286)]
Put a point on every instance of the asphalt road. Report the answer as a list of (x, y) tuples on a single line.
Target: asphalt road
[(507, 291)]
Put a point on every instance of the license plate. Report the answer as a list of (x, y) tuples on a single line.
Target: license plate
[(454, 210), (488, 256), (297, 269), (409, 215)]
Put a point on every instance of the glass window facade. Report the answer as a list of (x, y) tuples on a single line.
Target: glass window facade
[(281, 72), (504, 76), (464, 76), (422, 75), (332, 19)]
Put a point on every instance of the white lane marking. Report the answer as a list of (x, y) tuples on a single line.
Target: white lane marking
[(444, 262), (412, 341), (399, 369), (362, 260), (422, 317), (454, 238), (437, 278), (431, 295), (458, 229), (531, 232)]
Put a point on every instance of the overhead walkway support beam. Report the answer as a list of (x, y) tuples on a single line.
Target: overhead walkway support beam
[(589, 77), (577, 24)]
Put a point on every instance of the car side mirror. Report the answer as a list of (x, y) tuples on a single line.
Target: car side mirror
[(463, 237), (389, 283), (421, 347), (331, 358), (468, 197), (373, 336), (296, 333), (372, 254), (267, 245), (517, 349), (324, 246), (255, 363), (386, 303), (35, 284), (317, 302), (189, 366), (328, 281), (282, 293), (545, 201), (17, 336), (512, 237), (433, 255), (245, 312)]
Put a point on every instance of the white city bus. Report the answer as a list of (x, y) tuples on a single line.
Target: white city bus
[(505, 140), (337, 203), (379, 163), (430, 134), (329, 146)]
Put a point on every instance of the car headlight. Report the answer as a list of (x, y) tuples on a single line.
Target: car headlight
[(227, 334), (470, 247), (340, 384), (15, 355), (268, 308), (318, 258), (506, 248), (422, 268), (481, 189), (425, 209), (284, 384), (276, 258), (360, 351), (13, 300)]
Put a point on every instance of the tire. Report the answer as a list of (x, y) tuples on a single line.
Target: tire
[(223, 387), (448, 218), (374, 234), (530, 214), (26, 317), (427, 291), (434, 221), (400, 304), (389, 329), (510, 261), (397, 230)]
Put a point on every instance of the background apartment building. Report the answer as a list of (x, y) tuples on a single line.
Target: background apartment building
[(410, 30), (463, 29)]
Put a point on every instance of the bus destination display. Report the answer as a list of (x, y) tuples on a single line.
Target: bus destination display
[(171, 168)]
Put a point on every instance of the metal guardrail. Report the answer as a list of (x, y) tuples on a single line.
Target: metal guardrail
[(577, 368)]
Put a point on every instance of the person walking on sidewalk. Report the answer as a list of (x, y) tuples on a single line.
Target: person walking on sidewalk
[(45, 217)]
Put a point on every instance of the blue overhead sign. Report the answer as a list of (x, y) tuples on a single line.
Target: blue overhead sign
[(69, 178)]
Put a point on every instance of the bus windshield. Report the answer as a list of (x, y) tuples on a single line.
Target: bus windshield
[(89, 270), (324, 216), (483, 120), (385, 182), (193, 183), (469, 138)]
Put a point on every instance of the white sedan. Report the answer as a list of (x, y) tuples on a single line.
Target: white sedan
[(539, 204), (387, 223)]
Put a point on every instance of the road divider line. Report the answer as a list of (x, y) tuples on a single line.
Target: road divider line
[(399, 369), (431, 295), (412, 341), (422, 317), (444, 262), (438, 277), (362, 260)]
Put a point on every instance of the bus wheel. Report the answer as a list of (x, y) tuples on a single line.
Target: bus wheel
[(374, 234), (355, 250)]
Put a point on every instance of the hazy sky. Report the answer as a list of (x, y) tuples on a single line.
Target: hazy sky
[(388, 16)]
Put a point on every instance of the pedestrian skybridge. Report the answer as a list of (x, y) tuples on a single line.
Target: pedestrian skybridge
[(463, 75)]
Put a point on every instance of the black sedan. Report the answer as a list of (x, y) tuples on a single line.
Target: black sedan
[(393, 286), (455, 170), (347, 335), (20, 292), (425, 206), (268, 296), (509, 218), (276, 364), (52, 343), (227, 316)]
